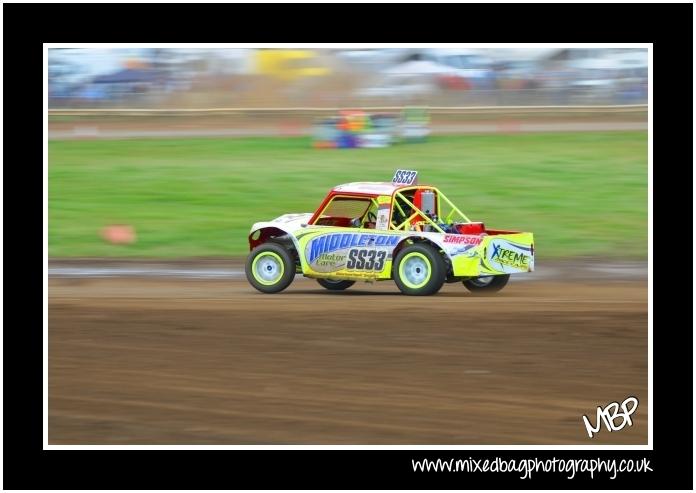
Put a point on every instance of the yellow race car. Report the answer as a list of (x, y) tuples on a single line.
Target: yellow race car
[(375, 231)]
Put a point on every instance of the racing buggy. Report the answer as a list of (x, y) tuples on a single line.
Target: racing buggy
[(376, 231)]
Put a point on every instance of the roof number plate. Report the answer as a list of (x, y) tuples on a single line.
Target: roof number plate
[(404, 177)]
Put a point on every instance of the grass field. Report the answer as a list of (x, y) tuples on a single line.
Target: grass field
[(582, 194)]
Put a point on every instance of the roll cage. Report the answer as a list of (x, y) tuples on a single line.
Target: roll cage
[(404, 213)]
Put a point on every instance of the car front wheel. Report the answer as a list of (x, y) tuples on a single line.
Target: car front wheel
[(270, 268)]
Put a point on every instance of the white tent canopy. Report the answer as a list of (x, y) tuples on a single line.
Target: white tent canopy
[(419, 67)]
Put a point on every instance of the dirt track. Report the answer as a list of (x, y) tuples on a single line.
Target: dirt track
[(153, 361)]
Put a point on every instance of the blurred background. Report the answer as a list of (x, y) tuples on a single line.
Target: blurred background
[(183, 149), (159, 162), (268, 78)]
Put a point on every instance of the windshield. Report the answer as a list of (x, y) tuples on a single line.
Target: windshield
[(348, 207)]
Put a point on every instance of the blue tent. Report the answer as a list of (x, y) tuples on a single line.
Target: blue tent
[(128, 75)]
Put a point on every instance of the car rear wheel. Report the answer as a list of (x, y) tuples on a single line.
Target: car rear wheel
[(270, 268), (487, 284), (419, 270), (333, 285)]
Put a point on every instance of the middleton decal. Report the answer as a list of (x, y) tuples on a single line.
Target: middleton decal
[(338, 241), (330, 252)]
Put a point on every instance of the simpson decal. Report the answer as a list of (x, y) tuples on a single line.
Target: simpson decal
[(462, 239)]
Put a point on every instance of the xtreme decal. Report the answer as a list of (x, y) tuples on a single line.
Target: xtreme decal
[(509, 257)]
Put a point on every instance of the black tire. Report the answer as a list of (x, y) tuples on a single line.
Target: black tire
[(427, 270), (487, 284), (263, 277), (335, 285)]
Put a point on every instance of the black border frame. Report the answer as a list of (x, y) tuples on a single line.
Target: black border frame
[(27, 26)]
